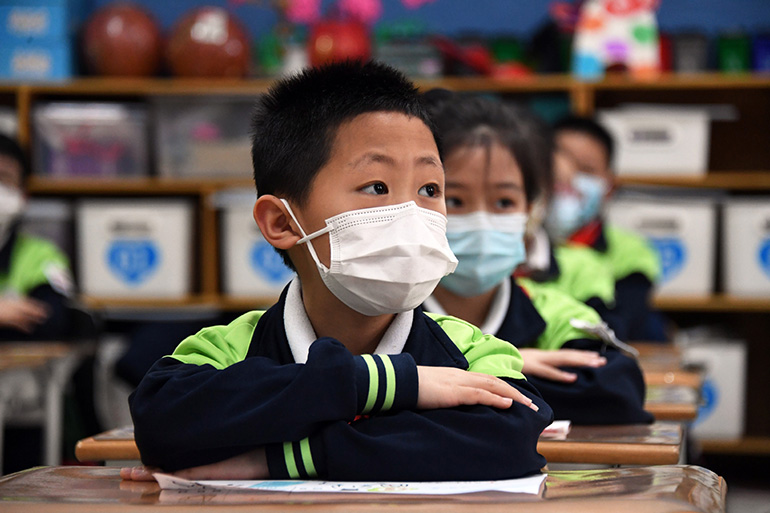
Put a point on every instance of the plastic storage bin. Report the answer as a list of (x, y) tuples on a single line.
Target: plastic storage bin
[(90, 140), (50, 219), (659, 140), (135, 248), (746, 247), (682, 231), (204, 137), (250, 266)]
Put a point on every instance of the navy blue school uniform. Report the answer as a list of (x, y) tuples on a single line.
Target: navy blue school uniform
[(540, 318), (231, 389)]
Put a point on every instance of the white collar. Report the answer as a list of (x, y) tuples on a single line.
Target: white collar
[(539, 252), (497, 311), (301, 335)]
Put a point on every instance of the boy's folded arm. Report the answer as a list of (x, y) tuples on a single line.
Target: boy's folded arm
[(609, 394), (188, 415), (461, 443)]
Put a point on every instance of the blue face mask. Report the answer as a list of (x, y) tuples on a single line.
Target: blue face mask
[(571, 210), (488, 246)]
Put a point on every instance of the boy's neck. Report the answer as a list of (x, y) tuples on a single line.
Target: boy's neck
[(361, 334), (474, 309)]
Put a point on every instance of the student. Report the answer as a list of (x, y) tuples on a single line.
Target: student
[(490, 184), (582, 186), (35, 280), (575, 270), (345, 377)]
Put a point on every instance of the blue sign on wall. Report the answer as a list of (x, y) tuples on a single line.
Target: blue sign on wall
[(673, 256), (133, 261), (764, 256), (268, 264)]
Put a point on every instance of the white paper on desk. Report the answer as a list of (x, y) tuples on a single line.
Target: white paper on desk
[(557, 430), (529, 485)]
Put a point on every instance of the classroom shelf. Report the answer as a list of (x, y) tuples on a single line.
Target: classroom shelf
[(132, 186), (750, 445), (715, 303), (734, 180)]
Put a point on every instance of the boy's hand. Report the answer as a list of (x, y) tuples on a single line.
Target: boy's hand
[(545, 364), (22, 314), (446, 387), (250, 465)]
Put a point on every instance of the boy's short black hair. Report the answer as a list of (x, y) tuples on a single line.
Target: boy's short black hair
[(10, 148), (295, 123), (470, 120), (590, 128)]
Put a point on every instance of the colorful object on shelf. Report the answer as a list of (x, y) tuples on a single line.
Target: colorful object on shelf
[(689, 52), (209, 42), (761, 53), (122, 39), (734, 53), (616, 34), (337, 40)]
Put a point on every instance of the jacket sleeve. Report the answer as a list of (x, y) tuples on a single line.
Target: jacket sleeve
[(463, 443), (612, 394), (206, 409), (632, 306), (56, 326)]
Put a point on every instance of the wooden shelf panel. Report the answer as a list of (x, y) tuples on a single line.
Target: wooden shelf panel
[(715, 303), (737, 180), (750, 445), (147, 185), (721, 81)]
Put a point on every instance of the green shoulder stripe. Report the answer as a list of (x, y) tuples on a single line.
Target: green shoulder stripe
[(219, 346), (630, 253), (584, 274), (485, 353), (557, 310), (32, 260)]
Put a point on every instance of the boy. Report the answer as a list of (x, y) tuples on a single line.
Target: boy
[(34, 275), (575, 216), (490, 184), (344, 378)]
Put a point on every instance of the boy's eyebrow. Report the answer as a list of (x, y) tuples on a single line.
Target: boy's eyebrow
[(376, 157)]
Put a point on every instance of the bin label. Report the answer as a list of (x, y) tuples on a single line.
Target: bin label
[(764, 256), (673, 256), (268, 264), (133, 261)]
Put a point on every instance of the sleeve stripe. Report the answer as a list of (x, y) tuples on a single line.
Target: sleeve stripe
[(291, 464), (373, 383), (307, 457), (390, 380)]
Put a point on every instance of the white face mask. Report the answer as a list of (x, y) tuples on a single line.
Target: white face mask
[(11, 207), (383, 260)]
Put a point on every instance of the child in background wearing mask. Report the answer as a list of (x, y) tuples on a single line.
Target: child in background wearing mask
[(345, 378), (490, 184), (573, 269), (584, 180), (35, 280)]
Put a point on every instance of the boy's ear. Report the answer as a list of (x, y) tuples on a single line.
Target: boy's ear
[(274, 222)]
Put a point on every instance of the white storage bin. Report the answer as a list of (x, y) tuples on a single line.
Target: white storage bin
[(135, 248), (683, 232), (50, 219), (204, 137), (721, 414), (746, 249), (666, 141), (250, 266)]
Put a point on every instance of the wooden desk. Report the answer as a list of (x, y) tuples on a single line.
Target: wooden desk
[(677, 403), (51, 364), (661, 364), (655, 444), (659, 489), (639, 444)]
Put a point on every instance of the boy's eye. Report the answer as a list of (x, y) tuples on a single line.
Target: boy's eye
[(452, 202), (376, 188), (430, 190), (504, 203)]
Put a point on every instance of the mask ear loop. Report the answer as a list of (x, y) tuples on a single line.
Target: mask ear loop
[(307, 238)]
